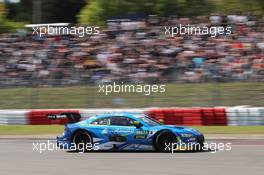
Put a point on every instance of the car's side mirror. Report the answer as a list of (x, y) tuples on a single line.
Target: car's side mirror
[(137, 124)]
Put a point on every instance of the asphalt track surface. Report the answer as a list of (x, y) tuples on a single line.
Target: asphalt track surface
[(17, 157)]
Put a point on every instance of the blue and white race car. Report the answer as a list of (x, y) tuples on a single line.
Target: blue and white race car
[(124, 131)]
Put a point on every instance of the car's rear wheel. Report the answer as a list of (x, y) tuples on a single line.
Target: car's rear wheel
[(165, 141), (83, 141)]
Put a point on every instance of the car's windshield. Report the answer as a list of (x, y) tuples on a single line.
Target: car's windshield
[(149, 121)]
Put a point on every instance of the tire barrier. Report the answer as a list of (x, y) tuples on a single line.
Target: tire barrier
[(220, 116), (215, 116), (245, 116), (190, 116), (10, 117), (40, 117)]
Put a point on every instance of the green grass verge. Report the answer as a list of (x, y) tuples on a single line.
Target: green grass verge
[(200, 94), (30, 129), (58, 129)]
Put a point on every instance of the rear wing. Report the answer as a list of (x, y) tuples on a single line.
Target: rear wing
[(73, 117)]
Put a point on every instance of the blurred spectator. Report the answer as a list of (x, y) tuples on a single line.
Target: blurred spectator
[(138, 53)]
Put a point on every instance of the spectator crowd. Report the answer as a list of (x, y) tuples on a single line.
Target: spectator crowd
[(137, 52)]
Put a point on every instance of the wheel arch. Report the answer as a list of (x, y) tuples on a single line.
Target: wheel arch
[(157, 133), (81, 129)]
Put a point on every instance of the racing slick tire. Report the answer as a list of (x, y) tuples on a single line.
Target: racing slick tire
[(83, 141), (198, 147), (164, 141)]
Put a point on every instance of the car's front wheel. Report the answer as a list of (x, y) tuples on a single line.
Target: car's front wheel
[(83, 141), (165, 141)]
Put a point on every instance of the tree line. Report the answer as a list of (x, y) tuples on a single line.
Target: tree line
[(97, 11)]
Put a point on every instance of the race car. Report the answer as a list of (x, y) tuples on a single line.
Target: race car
[(124, 131)]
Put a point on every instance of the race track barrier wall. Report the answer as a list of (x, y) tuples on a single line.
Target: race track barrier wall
[(10, 117), (214, 116), (40, 117), (190, 116), (245, 116)]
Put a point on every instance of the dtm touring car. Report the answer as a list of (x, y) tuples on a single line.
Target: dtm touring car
[(124, 131)]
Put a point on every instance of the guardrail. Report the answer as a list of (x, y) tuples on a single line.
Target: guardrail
[(215, 116)]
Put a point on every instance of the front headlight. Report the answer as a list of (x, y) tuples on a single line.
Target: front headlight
[(187, 135)]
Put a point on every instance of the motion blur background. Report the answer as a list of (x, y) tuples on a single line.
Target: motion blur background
[(64, 71), (207, 80)]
